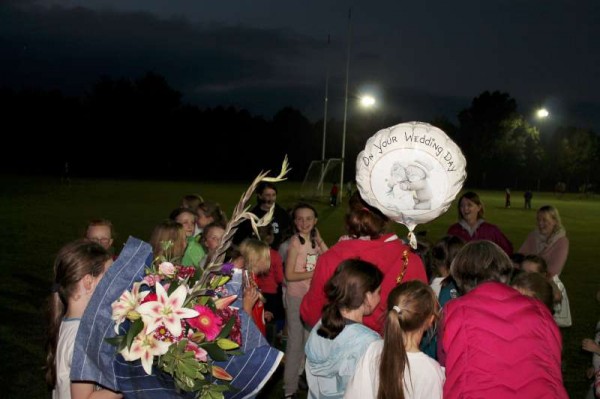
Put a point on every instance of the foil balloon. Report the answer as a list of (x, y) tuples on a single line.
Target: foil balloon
[(411, 172)]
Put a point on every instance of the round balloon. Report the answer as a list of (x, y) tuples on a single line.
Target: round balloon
[(411, 172)]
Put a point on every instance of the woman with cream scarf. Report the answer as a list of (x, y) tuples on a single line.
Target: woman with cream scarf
[(550, 242)]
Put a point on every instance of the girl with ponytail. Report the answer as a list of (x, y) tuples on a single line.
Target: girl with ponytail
[(78, 268), (337, 342), (395, 368)]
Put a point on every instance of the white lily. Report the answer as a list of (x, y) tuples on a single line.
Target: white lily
[(166, 310), (145, 347), (127, 302)]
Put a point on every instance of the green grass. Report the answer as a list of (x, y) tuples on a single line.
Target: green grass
[(39, 215)]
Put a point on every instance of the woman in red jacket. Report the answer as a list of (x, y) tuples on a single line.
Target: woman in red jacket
[(366, 241), (471, 226)]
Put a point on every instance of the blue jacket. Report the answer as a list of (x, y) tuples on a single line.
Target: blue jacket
[(330, 363)]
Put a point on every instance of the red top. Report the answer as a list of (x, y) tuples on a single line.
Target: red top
[(485, 231), (269, 282), (386, 252), (499, 344), (258, 314)]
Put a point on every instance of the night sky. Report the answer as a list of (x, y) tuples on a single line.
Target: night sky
[(421, 59)]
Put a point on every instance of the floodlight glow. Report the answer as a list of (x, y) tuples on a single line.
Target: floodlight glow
[(367, 101), (542, 113)]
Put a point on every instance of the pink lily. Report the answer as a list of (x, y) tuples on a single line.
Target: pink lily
[(167, 310), (145, 347), (127, 302)]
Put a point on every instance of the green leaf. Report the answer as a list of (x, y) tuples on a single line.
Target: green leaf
[(115, 341), (174, 285), (136, 327), (227, 344), (223, 280), (214, 351), (227, 329)]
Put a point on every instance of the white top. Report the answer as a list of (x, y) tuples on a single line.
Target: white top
[(436, 285), (64, 355), (425, 380)]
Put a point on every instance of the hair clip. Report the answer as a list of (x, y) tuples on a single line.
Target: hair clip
[(397, 309)]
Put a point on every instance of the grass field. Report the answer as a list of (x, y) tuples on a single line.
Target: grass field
[(39, 215)]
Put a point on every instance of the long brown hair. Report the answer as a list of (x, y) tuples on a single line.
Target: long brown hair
[(168, 230), (409, 306), (347, 289), (73, 262)]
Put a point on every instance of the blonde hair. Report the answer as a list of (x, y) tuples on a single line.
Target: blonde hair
[(253, 251), (553, 213)]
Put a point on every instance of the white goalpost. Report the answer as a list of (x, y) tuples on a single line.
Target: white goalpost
[(320, 176)]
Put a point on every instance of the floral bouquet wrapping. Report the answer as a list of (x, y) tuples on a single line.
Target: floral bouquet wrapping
[(157, 329)]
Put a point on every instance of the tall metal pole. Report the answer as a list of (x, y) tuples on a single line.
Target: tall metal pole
[(345, 105), (325, 115)]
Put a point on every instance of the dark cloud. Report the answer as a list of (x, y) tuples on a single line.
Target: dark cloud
[(266, 54), (70, 48)]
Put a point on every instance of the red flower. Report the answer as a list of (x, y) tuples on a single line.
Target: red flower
[(236, 332), (150, 297)]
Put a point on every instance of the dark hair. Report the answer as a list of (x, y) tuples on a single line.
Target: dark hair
[(176, 212), (538, 260), (537, 287), (347, 289), (191, 201), (517, 258), (473, 197), (100, 222), (363, 219), (410, 306), (443, 253), (213, 210), (73, 262), (478, 262), (313, 232), (263, 185)]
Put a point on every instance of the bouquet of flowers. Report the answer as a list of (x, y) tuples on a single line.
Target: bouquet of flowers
[(180, 320)]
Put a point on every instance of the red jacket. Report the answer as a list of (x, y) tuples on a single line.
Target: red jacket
[(386, 253), (485, 231), (269, 282), (499, 344)]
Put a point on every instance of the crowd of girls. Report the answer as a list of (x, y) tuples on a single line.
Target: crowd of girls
[(363, 318)]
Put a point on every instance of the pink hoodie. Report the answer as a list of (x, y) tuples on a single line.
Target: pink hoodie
[(499, 344)]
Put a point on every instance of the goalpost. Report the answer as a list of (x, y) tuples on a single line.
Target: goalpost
[(320, 176)]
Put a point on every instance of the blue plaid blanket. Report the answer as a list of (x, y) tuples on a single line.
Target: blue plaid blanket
[(96, 361)]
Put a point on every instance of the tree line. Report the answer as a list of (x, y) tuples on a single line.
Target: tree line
[(142, 129)]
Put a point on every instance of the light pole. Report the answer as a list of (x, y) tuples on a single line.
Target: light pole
[(325, 115), (541, 113), (365, 101), (345, 105)]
